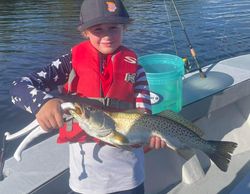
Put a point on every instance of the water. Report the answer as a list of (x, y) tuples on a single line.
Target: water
[(34, 33)]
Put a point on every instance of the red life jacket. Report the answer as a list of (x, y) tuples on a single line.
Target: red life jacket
[(96, 77)]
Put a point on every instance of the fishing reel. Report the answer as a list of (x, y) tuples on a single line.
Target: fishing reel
[(187, 64)]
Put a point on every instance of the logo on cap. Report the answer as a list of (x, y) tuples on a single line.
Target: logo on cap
[(111, 7)]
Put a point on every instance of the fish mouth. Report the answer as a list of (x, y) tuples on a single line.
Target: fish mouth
[(82, 111), (77, 112)]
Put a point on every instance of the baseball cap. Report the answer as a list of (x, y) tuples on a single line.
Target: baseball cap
[(94, 12)]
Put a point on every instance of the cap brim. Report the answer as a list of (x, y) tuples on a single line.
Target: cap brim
[(104, 20)]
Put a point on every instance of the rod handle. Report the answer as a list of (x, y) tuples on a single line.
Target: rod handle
[(193, 53)]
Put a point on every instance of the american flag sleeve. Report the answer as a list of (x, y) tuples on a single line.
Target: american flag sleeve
[(142, 94)]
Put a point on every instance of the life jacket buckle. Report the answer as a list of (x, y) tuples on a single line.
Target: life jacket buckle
[(114, 103)]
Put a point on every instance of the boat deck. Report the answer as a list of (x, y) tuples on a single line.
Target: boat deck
[(219, 104), (234, 181)]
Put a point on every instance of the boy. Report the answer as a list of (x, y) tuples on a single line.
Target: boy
[(99, 68)]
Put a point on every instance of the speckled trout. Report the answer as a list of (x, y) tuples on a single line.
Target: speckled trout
[(125, 129)]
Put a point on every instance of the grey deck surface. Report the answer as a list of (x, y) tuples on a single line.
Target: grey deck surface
[(227, 82)]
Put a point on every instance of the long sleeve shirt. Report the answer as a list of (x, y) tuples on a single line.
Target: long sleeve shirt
[(32, 91)]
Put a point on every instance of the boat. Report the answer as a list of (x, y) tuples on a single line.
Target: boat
[(219, 104)]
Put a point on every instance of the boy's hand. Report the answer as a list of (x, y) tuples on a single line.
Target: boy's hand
[(155, 143), (50, 116)]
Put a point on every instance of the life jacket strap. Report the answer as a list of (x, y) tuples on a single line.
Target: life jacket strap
[(117, 104), (104, 103)]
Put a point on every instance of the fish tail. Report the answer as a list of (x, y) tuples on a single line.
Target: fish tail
[(221, 153)]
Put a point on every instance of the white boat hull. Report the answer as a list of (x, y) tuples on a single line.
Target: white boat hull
[(220, 105)]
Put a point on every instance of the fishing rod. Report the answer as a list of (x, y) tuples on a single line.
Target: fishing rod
[(192, 51), (2, 158)]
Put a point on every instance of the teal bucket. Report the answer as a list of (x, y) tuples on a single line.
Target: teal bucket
[(164, 73)]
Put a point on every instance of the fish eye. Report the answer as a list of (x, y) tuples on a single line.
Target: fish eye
[(89, 108)]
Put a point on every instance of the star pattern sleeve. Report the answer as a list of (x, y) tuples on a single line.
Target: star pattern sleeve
[(32, 91)]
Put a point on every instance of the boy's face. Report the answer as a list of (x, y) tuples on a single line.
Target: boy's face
[(106, 38)]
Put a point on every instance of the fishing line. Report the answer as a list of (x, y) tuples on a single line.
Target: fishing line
[(170, 26), (185, 60), (192, 51)]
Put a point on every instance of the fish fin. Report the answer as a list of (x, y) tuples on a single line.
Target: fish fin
[(221, 155), (124, 147), (117, 139), (137, 111), (96, 151), (171, 115), (185, 152)]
